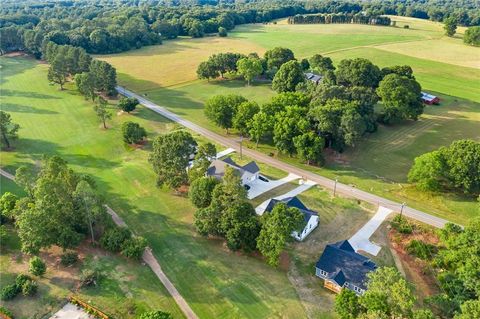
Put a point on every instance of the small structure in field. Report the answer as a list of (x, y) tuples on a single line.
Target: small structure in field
[(430, 99), (310, 217), (248, 173), (313, 77), (341, 267)]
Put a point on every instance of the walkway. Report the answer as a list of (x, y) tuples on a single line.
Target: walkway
[(225, 152), (258, 187), (323, 181), (361, 239), (148, 258), (260, 209)]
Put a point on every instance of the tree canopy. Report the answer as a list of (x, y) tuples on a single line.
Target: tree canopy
[(170, 156), (8, 129)]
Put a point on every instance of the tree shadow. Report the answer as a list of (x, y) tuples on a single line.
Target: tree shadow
[(19, 108), (32, 95)]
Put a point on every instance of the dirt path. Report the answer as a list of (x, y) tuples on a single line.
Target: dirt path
[(322, 181), (148, 258)]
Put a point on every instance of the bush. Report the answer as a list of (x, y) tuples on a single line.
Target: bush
[(134, 247), (89, 277), (37, 266), (69, 258), (114, 238), (156, 315), (6, 312), (21, 279), (127, 104), (29, 288), (406, 26), (133, 133), (9, 292), (420, 249), (222, 32), (401, 224)]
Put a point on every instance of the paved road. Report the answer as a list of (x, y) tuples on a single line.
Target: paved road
[(323, 181), (148, 258)]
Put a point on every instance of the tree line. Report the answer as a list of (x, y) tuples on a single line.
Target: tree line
[(327, 18), (115, 27), (304, 118), (91, 76)]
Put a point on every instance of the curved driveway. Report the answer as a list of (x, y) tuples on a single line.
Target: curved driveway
[(320, 180)]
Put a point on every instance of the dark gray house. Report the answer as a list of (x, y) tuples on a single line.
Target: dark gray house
[(248, 173), (341, 267)]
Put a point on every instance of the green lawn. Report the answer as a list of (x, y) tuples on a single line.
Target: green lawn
[(215, 282)]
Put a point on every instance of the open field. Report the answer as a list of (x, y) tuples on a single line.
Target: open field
[(380, 162), (215, 282)]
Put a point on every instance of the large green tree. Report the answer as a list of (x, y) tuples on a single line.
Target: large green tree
[(56, 213), (244, 114), (277, 227), (288, 77), (200, 192), (358, 72), (288, 124), (221, 109), (58, 70), (207, 70), (472, 36), (309, 147), (276, 57), (85, 83), (450, 26), (170, 156), (321, 64), (249, 68), (347, 305), (456, 167), (259, 126), (400, 98), (8, 129)]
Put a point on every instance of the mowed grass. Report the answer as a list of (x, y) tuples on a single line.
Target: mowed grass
[(215, 282)]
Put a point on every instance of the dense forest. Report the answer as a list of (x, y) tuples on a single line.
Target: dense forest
[(111, 27)]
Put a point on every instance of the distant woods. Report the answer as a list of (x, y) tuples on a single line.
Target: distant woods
[(328, 18), (120, 26)]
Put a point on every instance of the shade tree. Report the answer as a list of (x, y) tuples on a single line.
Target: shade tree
[(309, 147), (249, 68), (128, 104), (243, 115), (287, 125), (276, 57), (321, 64), (170, 156), (400, 97), (133, 133), (276, 229), (102, 111), (8, 129), (288, 76), (357, 72), (221, 109)]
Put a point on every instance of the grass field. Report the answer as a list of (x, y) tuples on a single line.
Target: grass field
[(444, 66), (215, 282)]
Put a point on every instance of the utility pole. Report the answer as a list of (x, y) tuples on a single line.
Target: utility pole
[(401, 209), (241, 150), (335, 187)]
